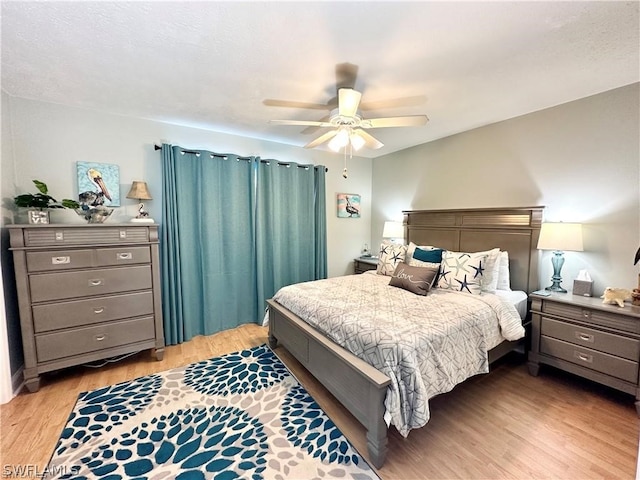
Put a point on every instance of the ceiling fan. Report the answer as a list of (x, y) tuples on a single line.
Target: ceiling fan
[(346, 121)]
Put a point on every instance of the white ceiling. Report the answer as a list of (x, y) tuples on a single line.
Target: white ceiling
[(212, 64)]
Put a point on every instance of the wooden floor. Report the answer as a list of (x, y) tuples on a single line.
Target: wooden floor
[(506, 424)]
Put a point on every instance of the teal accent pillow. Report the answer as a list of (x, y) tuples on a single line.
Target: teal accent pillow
[(431, 256)]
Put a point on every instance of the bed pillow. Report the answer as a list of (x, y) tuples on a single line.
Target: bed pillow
[(414, 262), (462, 272), (412, 247), (418, 280), (391, 254), (491, 271), (504, 276), (433, 255)]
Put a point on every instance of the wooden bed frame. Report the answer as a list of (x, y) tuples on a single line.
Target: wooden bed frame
[(359, 386)]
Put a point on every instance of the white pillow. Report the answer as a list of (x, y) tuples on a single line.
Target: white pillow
[(491, 270), (504, 277), (414, 262), (462, 272), (391, 254)]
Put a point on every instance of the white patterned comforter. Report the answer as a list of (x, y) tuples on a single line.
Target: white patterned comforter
[(425, 345)]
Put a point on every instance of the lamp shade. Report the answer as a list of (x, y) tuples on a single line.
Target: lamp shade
[(392, 230), (139, 191), (561, 237)]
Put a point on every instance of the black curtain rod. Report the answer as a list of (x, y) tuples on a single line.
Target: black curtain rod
[(158, 147)]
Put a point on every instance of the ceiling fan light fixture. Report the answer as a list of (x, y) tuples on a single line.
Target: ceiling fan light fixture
[(357, 142), (340, 140)]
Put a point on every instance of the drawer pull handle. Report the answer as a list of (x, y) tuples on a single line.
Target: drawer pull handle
[(98, 310), (585, 337), (584, 357), (125, 256), (585, 313), (95, 282), (60, 260), (100, 338)]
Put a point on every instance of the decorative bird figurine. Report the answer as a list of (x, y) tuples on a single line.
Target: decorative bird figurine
[(351, 210), (142, 213)]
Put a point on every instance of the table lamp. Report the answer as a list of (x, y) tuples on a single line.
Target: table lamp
[(559, 237), (139, 191), (393, 231)]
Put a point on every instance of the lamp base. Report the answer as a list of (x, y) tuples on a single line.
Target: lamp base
[(142, 220), (557, 261), (556, 288)]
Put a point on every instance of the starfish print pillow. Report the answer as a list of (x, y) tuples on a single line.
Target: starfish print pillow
[(462, 272), (391, 254)]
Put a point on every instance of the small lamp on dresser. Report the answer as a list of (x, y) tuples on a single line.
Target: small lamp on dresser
[(139, 191), (560, 237)]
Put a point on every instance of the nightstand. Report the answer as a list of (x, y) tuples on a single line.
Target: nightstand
[(362, 264), (583, 336)]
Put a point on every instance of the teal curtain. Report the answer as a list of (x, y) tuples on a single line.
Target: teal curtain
[(234, 230), (290, 226)]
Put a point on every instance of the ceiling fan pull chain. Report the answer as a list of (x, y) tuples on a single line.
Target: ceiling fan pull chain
[(344, 171)]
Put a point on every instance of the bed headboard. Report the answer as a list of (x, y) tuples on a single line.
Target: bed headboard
[(515, 230)]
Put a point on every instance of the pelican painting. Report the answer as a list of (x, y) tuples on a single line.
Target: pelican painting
[(98, 184), (348, 205)]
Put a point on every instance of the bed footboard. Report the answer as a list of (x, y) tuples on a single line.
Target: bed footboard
[(356, 384)]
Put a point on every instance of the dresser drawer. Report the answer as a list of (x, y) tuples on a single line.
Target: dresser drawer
[(59, 260), (586, 357), (106, 257), (75, 313), (52, 346), (100, 281), (615, 319), (86, 235), (617, 345)]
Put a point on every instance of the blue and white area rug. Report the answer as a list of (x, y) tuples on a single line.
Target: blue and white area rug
[(241, 415)]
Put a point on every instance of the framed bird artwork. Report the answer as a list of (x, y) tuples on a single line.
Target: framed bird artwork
[(98, 184), (348, 205)]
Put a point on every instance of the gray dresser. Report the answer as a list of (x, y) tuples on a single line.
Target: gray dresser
[(86, 293), (583, 336)]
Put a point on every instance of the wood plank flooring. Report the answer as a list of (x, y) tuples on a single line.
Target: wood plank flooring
[(506, 424)]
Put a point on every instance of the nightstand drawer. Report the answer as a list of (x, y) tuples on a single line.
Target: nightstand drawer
[(75, 313), (617, 345), (361, 265), (614, 319), (100, 281), (59, 260), (592, 359), (567, 311), (66, 343)]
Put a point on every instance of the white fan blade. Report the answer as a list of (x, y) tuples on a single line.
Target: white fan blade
[(408, 121), (348, 102), (369, 140), (321, 139), (301, 122), (270, 102), (393, 103)]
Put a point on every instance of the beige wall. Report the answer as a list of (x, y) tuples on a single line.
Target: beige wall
[(580, 160)]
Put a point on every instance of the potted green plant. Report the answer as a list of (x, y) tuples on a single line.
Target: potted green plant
[(39, 203)]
